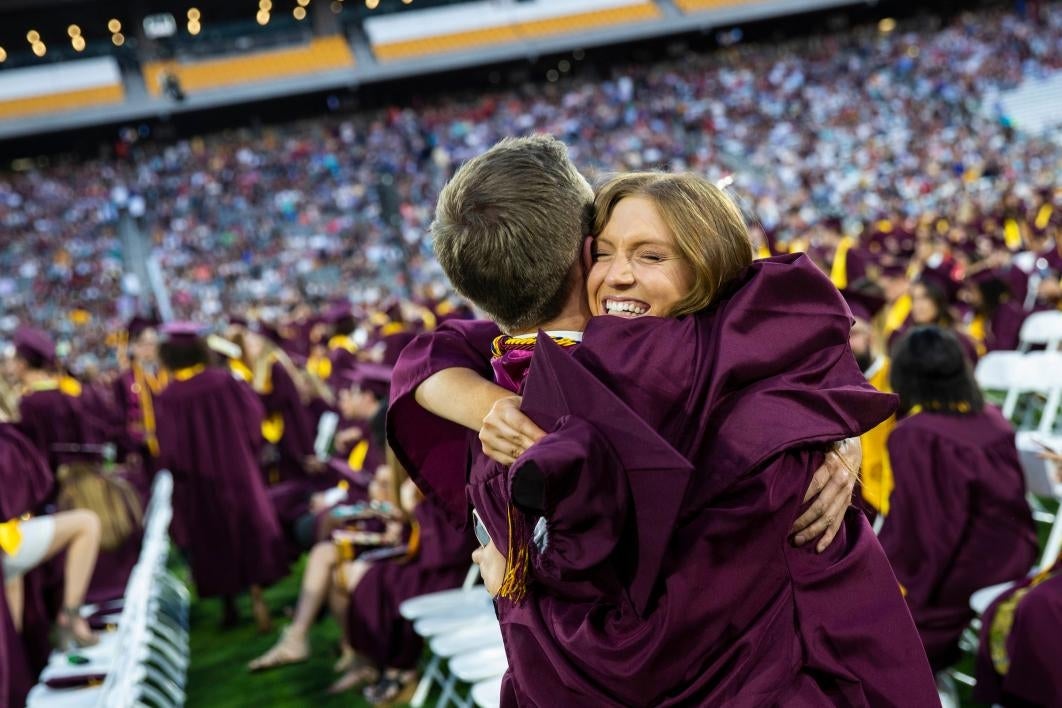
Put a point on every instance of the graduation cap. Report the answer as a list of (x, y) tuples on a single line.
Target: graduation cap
[(338, 312), (940, 279), (181, 333), (864, 305), (32, 343), (138, 324), (656, 474), (367, 376)]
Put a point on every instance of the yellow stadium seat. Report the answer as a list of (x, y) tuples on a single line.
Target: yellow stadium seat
[(700, 5), (58, 102), (492, 36), (324, 54)]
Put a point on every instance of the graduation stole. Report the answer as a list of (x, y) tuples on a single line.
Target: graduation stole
[(511, 358), (146, 387), (511, 361), (188, 372), (66, 385), (839, 268), (1003, 621)]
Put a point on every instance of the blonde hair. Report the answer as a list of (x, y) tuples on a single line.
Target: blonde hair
[(707, 226)]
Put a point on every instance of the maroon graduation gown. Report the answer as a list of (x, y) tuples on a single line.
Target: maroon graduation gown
[(959, 520), (375, 628), (741, 391), (25, 482), (1033, 646), (209, 430), (434, 450)]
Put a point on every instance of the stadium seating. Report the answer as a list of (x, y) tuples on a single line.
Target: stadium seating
[(57, 88), (481, 24), (322, 54), (700, 5)]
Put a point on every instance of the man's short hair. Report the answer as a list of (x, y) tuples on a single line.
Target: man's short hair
[(509, 227)]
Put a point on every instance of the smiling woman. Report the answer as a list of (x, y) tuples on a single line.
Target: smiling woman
[(665, 244)]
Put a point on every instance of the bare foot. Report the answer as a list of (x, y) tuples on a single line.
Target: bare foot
[(289, 649)]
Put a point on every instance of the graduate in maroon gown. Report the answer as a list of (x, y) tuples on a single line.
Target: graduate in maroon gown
[(25, 482), (958, 519), (437, 558), (209, 431), (1021, 642), (745, 397), (997, 314)]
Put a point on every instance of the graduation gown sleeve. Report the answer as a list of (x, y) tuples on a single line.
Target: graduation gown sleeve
[(433, 450)]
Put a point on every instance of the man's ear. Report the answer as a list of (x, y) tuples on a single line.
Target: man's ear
[(588, 253)]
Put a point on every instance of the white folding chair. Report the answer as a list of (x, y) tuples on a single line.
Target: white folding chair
[(481, 633), (487, 694), (994, 370), (1042, 328), (1038, 373), (438, 604)]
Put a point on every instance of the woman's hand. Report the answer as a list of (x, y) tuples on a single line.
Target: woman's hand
[(507, 432), (491, 567), (831, 488)]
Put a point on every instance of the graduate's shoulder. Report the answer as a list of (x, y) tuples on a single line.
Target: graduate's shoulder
[(986, 428), (788, 285)]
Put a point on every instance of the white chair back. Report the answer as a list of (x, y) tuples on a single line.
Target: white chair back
[(1042, 328)]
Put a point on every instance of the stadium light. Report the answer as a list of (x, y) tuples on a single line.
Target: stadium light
[(265, 5), (79, 43), (114, 26), (3, 55), (886, 25), (372, 4), (33, 36), (39, 49), (302, 3), (193, 28), (193, 14), (117, 39), (73, 31), (262, 17), (300, 13), (407, 2)]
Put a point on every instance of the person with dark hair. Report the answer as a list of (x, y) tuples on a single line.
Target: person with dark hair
[(932, 296), (210, 436), (958, 518), (997, 319)]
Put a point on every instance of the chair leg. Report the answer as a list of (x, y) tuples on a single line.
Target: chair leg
[(431, 673)]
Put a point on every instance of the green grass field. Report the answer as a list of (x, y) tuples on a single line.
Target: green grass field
[(218, 677)]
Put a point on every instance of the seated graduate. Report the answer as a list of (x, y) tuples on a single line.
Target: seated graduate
[(433, 557), (958, 518), (369, 526), (27, 541), (1021, 639), (210, 438), (716, 589)]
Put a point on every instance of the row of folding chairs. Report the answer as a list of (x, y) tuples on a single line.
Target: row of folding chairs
[(467, 656), (144, 660)]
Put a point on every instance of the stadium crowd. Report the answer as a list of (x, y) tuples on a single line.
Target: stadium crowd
[(304, 249)]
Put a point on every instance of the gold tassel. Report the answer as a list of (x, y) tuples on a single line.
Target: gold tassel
[(514, 584)]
